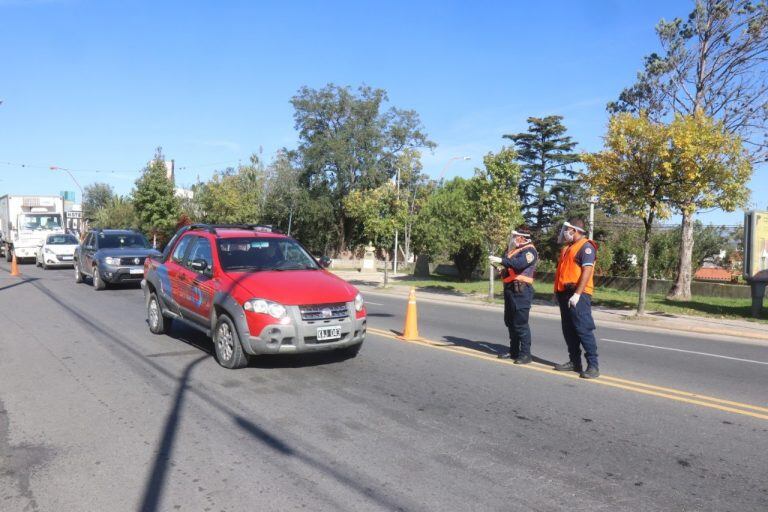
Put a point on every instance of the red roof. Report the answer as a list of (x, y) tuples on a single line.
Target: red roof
[(713, 274)]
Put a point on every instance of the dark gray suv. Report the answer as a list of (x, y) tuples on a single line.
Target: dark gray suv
[(112, 256)]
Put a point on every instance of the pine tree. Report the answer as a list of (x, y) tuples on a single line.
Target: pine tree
[(157, 207), (546, 156)]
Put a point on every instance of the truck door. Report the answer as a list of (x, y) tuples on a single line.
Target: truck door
[(174, 268), (198, 283)]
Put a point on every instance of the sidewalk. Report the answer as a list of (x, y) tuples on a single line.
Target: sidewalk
[(625, 318)]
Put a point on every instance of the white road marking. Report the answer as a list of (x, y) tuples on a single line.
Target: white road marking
[(373, 303), (685, 351)]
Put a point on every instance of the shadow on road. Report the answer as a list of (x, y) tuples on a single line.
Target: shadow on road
[(17, 283), (156, 482), (349, 477)]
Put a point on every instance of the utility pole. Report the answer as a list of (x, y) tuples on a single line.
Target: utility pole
[(592, 201)]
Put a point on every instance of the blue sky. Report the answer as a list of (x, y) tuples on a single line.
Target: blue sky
[(97, 85)]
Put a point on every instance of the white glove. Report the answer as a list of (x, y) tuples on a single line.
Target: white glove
[(574, 300), (494, 259)]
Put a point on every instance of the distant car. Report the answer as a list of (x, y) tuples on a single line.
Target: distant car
[(111, 256), (57, 251), (253, 291)]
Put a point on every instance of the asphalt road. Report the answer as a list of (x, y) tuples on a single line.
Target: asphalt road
[(98, 414)]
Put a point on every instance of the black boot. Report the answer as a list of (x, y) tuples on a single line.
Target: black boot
[(523, 359), (568, 367), (591, 373)]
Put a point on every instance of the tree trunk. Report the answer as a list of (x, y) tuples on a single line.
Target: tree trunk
[(681, 290), (644, 274)]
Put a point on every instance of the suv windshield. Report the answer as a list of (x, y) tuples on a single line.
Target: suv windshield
[(39, 221), (62, 240), (128, 240), (263, 254)]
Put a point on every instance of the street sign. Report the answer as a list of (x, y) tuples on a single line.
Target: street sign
[(74, 214), (756, 245)]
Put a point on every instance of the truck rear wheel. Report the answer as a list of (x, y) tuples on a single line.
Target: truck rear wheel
[(158, 324)]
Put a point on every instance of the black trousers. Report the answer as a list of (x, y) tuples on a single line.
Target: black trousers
[(517, 307)]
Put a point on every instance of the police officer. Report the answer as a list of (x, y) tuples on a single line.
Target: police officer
[(519, 267), (573, 289)]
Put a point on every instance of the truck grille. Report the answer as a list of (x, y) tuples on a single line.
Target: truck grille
[(134, 260), (324, 312)]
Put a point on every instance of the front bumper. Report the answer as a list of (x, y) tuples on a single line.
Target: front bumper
[(25, 252), (121, 274), (58, 260), (300, 336)]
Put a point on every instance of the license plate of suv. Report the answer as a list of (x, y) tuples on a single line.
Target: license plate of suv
[(136, 271), (328, 333)]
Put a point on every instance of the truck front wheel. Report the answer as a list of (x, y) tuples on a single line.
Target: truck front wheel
[(226, 342)]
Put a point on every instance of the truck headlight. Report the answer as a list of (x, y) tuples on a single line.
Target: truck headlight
[(111, 261), (266, 307), (359, 302)]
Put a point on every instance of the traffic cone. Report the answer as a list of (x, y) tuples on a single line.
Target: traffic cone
[(411, 328), (15, 267)]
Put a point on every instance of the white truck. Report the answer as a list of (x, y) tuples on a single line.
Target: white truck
[(25, 222)]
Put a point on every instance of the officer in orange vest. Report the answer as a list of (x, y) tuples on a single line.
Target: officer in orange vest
[(573, 289), (519, 267)]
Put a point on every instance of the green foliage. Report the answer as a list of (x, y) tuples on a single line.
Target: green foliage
[(492, 191), (234, 196), (546, 186), (348, 143), (379, 211), (156, 206), (95, 197), (118, 213)]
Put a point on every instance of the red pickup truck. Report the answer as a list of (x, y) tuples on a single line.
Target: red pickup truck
[(253, 291)]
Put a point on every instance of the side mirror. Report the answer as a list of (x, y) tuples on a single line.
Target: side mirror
[(325, 262), (198, 265)]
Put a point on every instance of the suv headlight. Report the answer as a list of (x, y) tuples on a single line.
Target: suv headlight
[(266, 307), (359, 302), (111, 261)]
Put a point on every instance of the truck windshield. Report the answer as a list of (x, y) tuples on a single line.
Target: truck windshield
[(62, 240), (263, 254), (114, 241), (40, 221)]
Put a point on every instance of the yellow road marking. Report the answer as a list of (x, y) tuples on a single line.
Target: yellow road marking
[(604, 380)]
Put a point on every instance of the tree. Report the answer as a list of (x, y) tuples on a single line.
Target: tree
[(347, 143), (447, 225), (118, 213), (714, 62), (492, 191), (634, 173), (234, 196), (284, 190), (95, 197), (547, 156), (710, 170), (157, 207), (380, 212)]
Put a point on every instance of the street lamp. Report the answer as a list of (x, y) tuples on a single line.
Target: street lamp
[(449, 162), (55, 168)]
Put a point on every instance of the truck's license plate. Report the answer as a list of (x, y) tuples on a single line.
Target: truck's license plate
[(137, 271), (328, 333)]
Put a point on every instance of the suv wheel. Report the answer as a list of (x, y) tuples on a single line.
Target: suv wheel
[(226, 342), (98, 281), (158, 324), (78, 274)]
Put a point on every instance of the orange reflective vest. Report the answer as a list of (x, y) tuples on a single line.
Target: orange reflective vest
[(568, 270), (508, 274)]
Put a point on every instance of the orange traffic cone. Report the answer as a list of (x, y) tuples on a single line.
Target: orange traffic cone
[(15, 267), (411, 328)]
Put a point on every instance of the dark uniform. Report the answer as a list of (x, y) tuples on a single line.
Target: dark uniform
[(518, 273), (577, 323)]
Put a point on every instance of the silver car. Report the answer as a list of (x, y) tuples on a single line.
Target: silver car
[(57, 251)]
